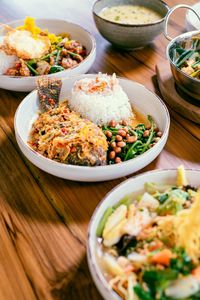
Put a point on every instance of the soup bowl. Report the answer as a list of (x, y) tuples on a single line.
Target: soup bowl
[(133, 186), (125, 35)]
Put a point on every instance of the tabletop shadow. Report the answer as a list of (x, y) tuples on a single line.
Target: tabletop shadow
[(80, 286)]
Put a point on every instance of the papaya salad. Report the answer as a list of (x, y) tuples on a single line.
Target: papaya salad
[(149, 245), (30, 51)]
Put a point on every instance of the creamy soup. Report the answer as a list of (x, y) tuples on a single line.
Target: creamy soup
[(130, 14)]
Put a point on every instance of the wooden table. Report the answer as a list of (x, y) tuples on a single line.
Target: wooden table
[(44, 219)]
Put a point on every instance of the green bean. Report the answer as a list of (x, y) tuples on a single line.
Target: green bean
[(32, 69), (48, 55), (131, 149), (55, 69), (57, 57), (195, 64), (132, 131), (73, 54), (32, 61), (183, 57)]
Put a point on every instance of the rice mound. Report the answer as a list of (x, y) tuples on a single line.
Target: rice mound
[(100, 100), (6, 61)]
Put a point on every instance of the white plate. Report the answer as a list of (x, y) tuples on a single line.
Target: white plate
[(142, 99), (25, 84), (133, 185), (192, 22)]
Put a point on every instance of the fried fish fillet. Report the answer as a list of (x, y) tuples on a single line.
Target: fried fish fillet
[(62, 135), (48, 92)]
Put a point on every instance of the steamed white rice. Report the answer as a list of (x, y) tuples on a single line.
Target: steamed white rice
[(100, 100), (6, 61)]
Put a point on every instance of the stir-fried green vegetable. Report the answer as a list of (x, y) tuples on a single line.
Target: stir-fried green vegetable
[(186, 56), (134, 141)]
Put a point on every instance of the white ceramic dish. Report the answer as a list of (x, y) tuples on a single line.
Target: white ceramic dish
[(192, 22), (25, 84), (145, 101), (133, 185)]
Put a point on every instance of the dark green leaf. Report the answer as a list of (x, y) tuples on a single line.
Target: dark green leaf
[(158, 280), (163, 197), (141, 293), (55, 69), (182, 263)]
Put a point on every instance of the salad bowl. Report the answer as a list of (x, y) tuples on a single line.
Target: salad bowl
[(134, 187)]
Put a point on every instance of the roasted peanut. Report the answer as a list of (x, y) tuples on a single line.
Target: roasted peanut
[(122, 132), (117, 149), (113, 144), (118, 160), (112, 155), (159, 133), (112, 123), (118, 138), (121, 144), (146, 133), (132, 139), (108, 134)]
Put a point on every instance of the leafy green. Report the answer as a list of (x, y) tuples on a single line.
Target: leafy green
[(179, 193), (55, 69), (142, 143), (162, 197), (184, 56), (182, 263), (32, 69), (170, 206), (195, 297), (158, 280), (172, 201), (141, 293)]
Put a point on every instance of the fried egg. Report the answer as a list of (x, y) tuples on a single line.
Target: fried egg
[(25, 46)]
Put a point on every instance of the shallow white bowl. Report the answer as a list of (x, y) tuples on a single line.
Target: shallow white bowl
[(191, 21), (133, 185), (142, 99), (25, 84)]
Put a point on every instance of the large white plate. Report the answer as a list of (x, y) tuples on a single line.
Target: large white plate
[(133, 185), (26, 84), (142, 99)]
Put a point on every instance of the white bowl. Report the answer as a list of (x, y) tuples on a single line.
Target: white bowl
[(25, 84), (133, 185), (141, 98), (192, 22)]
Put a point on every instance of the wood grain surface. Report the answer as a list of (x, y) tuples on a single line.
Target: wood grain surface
[(181, 103), (44, 219)]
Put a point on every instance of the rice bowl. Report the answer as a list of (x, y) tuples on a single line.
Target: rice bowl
[(24, 84)]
